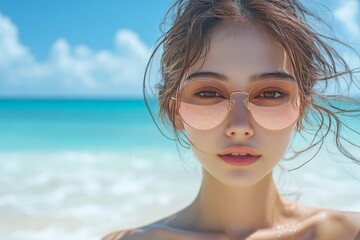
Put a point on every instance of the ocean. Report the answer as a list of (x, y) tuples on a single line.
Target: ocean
[(77, 169)]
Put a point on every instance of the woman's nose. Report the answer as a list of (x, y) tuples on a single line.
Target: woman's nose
[(238, 122)]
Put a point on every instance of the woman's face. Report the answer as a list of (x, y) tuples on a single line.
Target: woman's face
[(238, 53)]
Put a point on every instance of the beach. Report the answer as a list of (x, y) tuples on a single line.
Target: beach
[(78, 169)]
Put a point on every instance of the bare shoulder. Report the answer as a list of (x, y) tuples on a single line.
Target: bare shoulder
[(153, 231), (331, 224), (150, 232), (138, 234), (118, 235)]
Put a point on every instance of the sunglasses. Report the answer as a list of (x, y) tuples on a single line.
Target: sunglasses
[(204, 104)]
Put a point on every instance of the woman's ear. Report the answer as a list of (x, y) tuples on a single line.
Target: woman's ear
[(179, 124), (177, 121)]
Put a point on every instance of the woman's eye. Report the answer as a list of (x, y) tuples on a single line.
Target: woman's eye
[(271, 94), (208, 94)]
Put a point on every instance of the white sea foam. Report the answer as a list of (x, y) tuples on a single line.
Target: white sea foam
[(84, 195)]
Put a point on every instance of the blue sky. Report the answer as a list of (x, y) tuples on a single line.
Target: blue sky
[(97, 49)]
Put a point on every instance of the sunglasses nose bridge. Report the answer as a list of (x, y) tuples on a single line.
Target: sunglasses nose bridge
[(233, 99)]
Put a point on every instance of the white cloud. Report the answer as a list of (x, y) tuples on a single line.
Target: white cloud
[(71, 70), (348, 14), (10, 48)]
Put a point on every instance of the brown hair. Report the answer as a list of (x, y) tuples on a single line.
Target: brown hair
[(312, 58)]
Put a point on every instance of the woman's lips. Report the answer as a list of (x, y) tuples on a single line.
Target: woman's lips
[(239, 155), (240, 160)]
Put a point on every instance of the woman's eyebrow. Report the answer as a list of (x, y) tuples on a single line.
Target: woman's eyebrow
[(217, 76), (253, 77), (271, 75)]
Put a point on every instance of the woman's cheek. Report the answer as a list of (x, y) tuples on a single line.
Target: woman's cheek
[(211, 141)]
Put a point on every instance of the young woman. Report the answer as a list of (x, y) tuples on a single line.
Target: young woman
[(238, 81)]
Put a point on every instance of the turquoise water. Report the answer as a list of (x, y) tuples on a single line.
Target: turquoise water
[(82, 124), (76, 125)]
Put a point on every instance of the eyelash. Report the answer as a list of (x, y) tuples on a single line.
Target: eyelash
[(214, 91), (208, 90), (277, 90)]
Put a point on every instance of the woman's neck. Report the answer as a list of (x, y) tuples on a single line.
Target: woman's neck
[(237, 212)]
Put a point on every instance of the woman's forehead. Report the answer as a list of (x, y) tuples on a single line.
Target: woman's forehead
[(245, 47), (244, 40)]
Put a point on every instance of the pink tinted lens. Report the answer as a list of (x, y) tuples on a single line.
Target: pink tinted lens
[(275, 104), (203, 104), (203, 117), (277, 117)]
